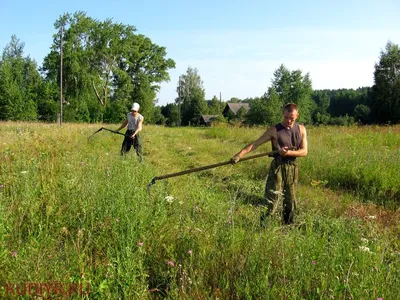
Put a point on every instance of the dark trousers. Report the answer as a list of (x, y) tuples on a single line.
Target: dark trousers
[(281, 182), (128, 143)]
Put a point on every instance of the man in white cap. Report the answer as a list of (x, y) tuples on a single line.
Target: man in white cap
[(134, 120)]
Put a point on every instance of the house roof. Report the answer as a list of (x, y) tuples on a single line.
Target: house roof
[(208, 118), (234, 107)]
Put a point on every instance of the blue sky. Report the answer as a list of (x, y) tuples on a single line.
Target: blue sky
[(235, 45)]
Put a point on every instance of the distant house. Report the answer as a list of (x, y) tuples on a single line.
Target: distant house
[(206, 120), (231, 109)]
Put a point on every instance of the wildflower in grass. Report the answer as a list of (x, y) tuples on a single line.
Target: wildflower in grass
[(140, 244), (108, 172), (379, 298), (314, 262), (315, 182), (190, 252), (1, 186), (364, 240), (318, 182), (117, 220), (371, 217), (169, 199), (171, 263), (24, 172), (14, 254), (364, 248), (64, 231)]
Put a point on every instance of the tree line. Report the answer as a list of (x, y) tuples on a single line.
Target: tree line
[(106, 66)]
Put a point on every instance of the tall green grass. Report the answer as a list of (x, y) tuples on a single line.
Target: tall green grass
[(364, 160), (74, 211)]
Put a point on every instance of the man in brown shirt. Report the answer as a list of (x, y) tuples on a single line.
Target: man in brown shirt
[(283, 173)]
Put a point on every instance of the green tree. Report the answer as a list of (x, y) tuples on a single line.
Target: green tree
[(215, 107), (20, 83), (47, 107), (235, 100), (192, 97), (147, 68), (322, 101), (320, 113), (145, 95), (362, 113), (241, 113), (257, 112), (105, 62), (230, 116), (386, 90), (274, 107), (266, 110), (116, 111), (321, 118), (171, 114), (293, 87), (158, 117), (340, 102)]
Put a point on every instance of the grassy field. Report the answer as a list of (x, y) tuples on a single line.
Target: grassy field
[(76, 220)]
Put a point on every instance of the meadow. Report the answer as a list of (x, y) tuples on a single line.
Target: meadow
[(77, 221)]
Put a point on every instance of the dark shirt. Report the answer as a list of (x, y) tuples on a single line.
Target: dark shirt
[(287, 138)]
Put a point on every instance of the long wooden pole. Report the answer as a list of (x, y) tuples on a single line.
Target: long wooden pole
[(113, 131), (153, 181)]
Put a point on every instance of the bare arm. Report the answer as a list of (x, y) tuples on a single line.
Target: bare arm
[(123, 125), (268, 135), (138, 129), (302, 151)]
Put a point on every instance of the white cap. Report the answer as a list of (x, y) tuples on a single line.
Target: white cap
[(135, 106)]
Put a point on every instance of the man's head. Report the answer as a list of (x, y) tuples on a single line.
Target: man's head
[(290, 114), (135, 107)]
